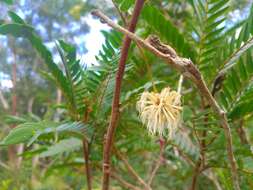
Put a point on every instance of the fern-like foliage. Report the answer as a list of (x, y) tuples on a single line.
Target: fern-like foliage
[(167, 31), (88, 93), (29, 132), (20, 29), (237, 88), (79, 85), (238, 69), (63, 146), (74, 78), (238, 44), (107, 58), (207, 29), (184, 142)]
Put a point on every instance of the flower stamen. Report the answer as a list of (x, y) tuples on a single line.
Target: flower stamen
[(160, 111)]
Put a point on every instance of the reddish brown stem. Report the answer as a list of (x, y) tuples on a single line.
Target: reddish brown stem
[(200, 163), (158, 162), (87, 166), (115, 105), (195, 175), (241, 133), (86, 153)]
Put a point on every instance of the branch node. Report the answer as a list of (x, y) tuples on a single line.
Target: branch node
[(106, 168), (154, 41)]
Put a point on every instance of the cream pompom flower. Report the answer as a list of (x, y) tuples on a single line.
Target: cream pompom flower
[(160, 111)]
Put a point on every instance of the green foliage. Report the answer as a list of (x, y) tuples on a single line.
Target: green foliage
[(29, 132), (125, 5), (9, 2), (73, 72), (237, 92), (17, 30), (239, 45), (168, 32), (65, 145), (184, 142), (15, 18), (23, 30), (18, 135), (210, 18), (199, 33), (237, 86)]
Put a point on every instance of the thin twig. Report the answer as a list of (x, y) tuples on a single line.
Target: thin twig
[(131, 170), (158, 162), (123, 182), (116, 97), (204, 132), (241, 133), (149, 70), (190, 71), (86, 153), (176, 62), (115, 175), (87, 165), (202, 146), (195, 175), (5, 166), (119, 12), (184, 156)]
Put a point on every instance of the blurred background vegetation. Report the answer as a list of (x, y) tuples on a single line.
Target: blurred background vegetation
[(29, 96)]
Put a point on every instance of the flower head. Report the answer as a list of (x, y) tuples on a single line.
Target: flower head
[(160, 111)]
